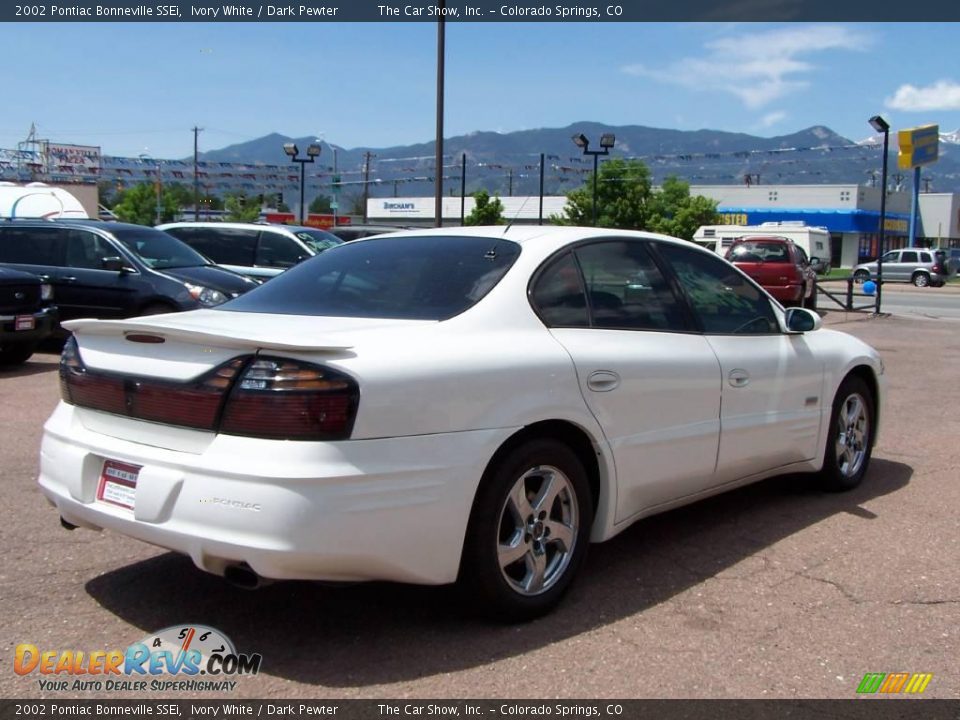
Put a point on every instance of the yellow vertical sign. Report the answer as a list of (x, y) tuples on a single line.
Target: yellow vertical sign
[(918, 146)]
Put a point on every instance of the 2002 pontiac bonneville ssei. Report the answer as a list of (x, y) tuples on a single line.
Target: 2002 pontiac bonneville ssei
[(471, 405)]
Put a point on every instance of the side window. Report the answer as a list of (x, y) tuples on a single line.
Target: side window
[(925, 257), (87, 251), (32, 245), (801, 255), (724, 301), (908, 256), (892, 256), (625, 288), (227, 246), (558, 295), (276, 250)]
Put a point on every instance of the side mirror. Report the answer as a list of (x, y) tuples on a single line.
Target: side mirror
[(115, 264), (801, 320), (814, 260)]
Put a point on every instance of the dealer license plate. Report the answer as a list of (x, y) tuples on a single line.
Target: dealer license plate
[(118, 483), (24, 322)]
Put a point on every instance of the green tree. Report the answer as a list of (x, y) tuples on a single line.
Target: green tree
[(623, 197), (485, 211), (241, 208), (320, 204), (138, 204), (626, 199), (675, 212)]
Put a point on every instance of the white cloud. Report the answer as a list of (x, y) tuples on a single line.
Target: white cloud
[(758, 67), (770, 119), (942, 95)]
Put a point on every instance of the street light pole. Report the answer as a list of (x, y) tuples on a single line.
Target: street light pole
[(882, 126), (313, 151), (607, 141)]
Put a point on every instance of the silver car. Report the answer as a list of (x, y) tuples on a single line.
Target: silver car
[(919, 266)]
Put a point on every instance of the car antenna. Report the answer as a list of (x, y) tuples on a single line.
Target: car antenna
[(491, 254), (516, 215)]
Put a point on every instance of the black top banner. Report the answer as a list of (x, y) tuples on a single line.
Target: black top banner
[(485, 11)]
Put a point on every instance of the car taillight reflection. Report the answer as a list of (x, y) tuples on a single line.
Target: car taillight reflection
[(251, 396)]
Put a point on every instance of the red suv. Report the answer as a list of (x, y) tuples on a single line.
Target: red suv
[(780, 266)]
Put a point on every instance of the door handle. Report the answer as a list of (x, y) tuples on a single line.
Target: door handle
[(603, 381), (68, 278), (739, 378)]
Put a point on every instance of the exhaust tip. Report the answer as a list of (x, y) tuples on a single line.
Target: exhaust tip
[(67, 525), (243, 576)]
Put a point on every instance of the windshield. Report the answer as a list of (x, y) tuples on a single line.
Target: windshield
[(318, 240), (417, 278), (157, 249)]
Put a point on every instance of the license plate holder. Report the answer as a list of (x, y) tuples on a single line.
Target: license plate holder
[(24, 322), (118, 484)]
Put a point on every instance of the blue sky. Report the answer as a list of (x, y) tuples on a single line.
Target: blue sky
[(134, 88)]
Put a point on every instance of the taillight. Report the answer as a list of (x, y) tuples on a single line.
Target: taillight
[(290, 400), (260, 397), (937, 269)]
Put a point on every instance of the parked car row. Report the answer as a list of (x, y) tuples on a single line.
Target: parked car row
[(106, 270)]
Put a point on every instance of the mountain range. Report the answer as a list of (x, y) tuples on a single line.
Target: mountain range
[(509, 163)]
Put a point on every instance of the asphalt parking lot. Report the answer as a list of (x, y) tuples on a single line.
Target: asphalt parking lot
[(775, 590)]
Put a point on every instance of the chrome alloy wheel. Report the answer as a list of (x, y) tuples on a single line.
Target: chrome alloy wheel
[(538, 530), (853, 435)]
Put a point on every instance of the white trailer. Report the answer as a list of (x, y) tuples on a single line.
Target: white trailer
[(38, 200), (815, 241)]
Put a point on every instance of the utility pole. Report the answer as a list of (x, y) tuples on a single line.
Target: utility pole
[(509, 182), (367, 157), (463, 186), (196, 175), (438, 181), (335, 188)]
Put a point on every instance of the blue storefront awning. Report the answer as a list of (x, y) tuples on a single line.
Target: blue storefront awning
[(839, 221)]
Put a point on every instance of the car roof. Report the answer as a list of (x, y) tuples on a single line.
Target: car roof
[(764, 238), (545, 238), (108, 225)]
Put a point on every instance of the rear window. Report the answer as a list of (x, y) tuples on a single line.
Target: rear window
[(417, 278), (759, 251)]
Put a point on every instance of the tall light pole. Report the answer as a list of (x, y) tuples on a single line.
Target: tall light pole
[(607, 141), (881, 126), (313, 151), (158, 184)]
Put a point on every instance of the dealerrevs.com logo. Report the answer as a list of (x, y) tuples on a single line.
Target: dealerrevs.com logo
[(179, 658)]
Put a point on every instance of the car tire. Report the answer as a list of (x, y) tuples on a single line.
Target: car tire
[(528, 531), (861, 276), (920, 279), (16, 354), (849, 436), (810, 303)]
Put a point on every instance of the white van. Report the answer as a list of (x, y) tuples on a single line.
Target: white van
[(38, 200), (815, 241)]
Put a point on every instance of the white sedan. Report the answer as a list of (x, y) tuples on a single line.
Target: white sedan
[(471, 405)]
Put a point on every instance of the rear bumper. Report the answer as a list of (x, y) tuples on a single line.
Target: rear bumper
[(389, 509), (44, 322)]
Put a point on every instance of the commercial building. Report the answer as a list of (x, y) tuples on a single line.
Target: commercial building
[(851, 213)]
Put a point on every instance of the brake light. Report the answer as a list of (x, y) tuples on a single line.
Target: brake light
[(290, 400), (260, 397), (937, 269)]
